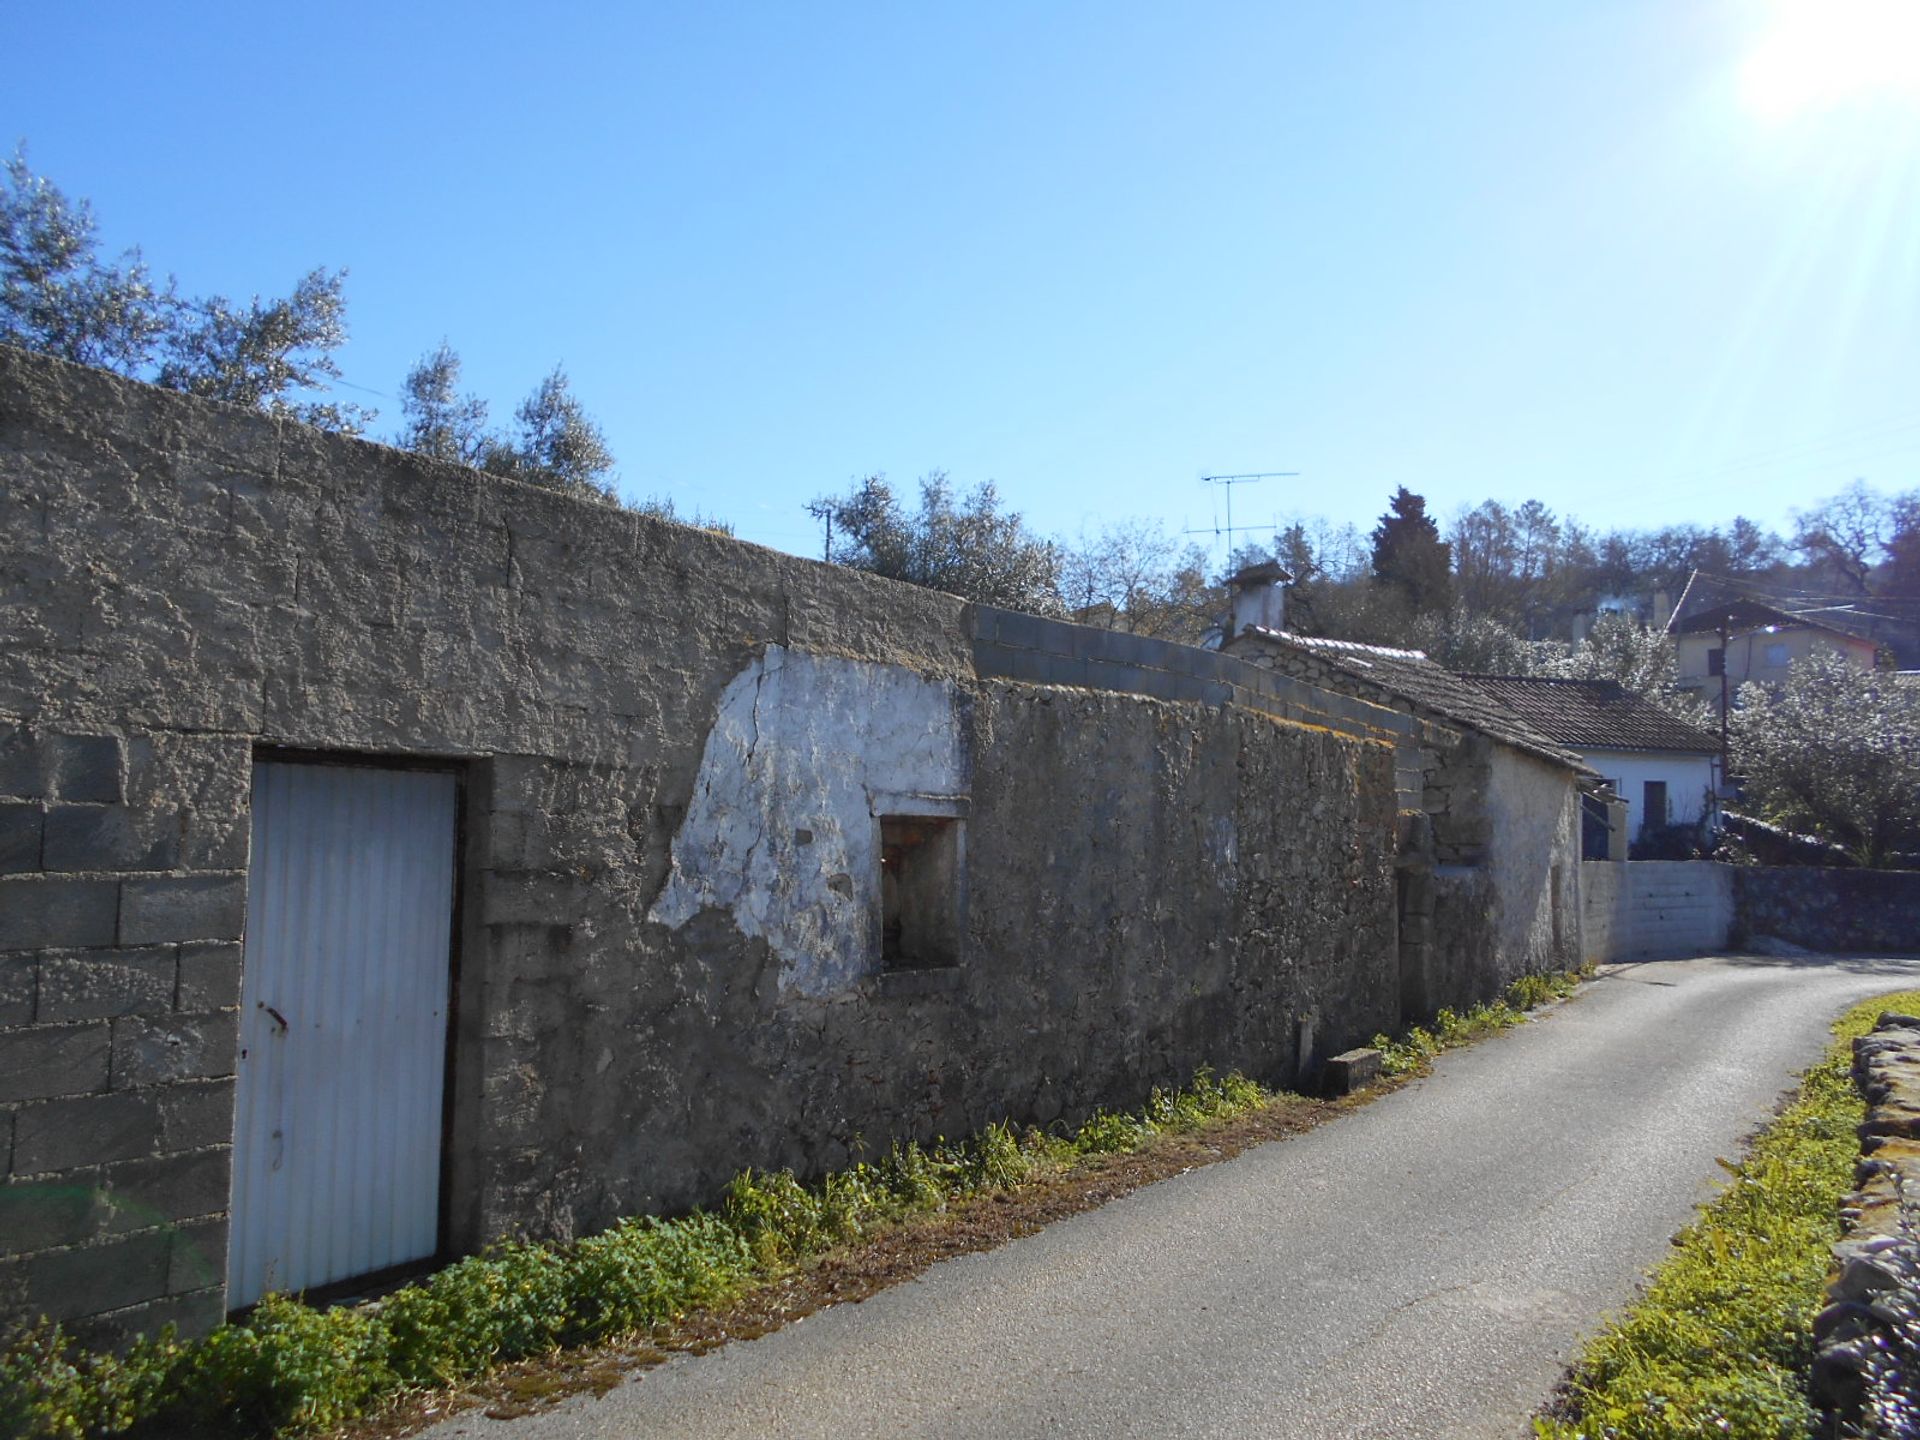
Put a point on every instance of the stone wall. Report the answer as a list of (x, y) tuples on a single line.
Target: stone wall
[(1490, 843), (1829, 909), (672, 749)]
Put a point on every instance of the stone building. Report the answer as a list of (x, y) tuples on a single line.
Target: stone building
[(1488, 867), (395, 857)]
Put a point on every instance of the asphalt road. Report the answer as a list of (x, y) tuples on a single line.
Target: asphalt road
[(1423, 1266)]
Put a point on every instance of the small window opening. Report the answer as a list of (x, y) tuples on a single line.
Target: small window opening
[(1716, 661), (919, 891)]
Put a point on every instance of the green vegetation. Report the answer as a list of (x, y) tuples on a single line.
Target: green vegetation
[(1412, 1054), (291, 1368), (1720, 1343)]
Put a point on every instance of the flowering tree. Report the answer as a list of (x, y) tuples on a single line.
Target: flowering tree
[(1835, 754)]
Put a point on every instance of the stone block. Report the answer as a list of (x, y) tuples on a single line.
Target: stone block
[(209, 976), (1120, 676), (19, 979), (42, 1214), (21, 772), (196, 1115), (109, 837), (37, 913), (191, 1315), (531, 952), (1063, 670), (199, 1260), (84, 1130), (21, 823), (202, 784), (1350, 1071), (518, 782), (177, 1047), (42, 1062), (1028, 632), (86, 768), (994, 661), (190, 907), (100, 984), (90, 1279), (168, 1188), (530, 897)]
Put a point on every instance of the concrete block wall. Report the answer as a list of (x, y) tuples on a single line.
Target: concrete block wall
[(1654, 909), (122, 906), (1009, 645)]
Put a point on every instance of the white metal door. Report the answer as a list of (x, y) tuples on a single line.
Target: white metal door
[(343, 1025)]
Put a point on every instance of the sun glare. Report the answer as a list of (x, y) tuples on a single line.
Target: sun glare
[(1819, 54)]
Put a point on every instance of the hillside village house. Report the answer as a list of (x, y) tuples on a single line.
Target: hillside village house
[(1664, 770), (1744, 639)]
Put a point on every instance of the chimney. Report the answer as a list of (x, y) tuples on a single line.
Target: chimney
[(1662, 610), (1258, 595)]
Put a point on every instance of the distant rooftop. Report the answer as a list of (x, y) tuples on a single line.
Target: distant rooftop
[(1409, 674), (1595, 714)]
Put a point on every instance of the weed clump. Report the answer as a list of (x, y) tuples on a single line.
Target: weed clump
[(1415, 1051), (291, 1368)]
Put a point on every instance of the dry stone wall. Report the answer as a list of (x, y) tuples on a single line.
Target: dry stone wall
[(1170, 858), (1823, 908)]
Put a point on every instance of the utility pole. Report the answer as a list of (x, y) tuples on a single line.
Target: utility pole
[(1726, 647), (822, 510)]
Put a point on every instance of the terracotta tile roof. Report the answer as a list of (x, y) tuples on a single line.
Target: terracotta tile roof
[(1595, 714), (1410, 675)]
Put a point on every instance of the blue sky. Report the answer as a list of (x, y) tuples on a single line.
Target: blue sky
[(1645, 259)]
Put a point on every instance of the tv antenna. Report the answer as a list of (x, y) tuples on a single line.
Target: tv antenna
[(1227, 482)]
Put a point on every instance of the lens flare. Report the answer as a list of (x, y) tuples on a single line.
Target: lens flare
[(1822, 54)]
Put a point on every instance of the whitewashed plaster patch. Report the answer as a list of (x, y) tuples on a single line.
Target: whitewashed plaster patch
[(781, 830)]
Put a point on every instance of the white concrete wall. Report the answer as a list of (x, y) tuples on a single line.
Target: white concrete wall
[(1533, 854), (805, 755), (1689, 779), (1653, 909)]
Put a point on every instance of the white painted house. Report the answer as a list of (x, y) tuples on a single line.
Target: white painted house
[(1665, 769)]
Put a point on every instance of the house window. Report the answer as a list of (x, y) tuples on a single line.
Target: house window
[(1776, 656), (1716, 661), (1654, 814), (920, 891)]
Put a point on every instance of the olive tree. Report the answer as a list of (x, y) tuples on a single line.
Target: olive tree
[(966, 545), (58, 296)]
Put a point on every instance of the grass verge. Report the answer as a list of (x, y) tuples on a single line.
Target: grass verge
[(524, 1323), (1721, 1341), (1413, 1053), (291, 1368)]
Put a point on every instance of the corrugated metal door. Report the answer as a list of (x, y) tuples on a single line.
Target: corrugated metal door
[(343, 1025)]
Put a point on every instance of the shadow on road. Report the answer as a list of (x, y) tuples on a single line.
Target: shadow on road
[(1850, 964)]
